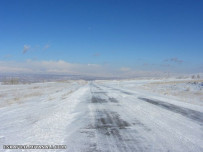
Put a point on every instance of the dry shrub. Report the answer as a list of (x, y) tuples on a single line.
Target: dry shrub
[(11, 81)]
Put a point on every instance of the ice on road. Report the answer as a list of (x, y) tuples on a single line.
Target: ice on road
[(102, 117)]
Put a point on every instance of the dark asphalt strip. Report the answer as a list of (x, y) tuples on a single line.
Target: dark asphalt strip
[(192, 114)]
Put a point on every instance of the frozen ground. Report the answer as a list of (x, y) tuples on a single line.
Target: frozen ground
[(103, 116), (186, 90)]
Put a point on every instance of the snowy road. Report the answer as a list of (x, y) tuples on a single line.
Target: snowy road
[(118, 120), (102, 117)]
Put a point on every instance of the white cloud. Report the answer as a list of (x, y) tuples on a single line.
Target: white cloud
[(63, 67), (26, 48), (174, 60), (51, 67)]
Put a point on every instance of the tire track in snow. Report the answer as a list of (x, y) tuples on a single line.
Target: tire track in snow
[(111, 128), (192, 114), (161, 131)]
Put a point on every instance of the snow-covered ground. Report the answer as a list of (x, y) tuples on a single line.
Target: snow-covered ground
[(128, 115), (186, 90)]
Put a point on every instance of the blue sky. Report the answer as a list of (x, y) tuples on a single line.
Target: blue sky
[(144, 35)]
